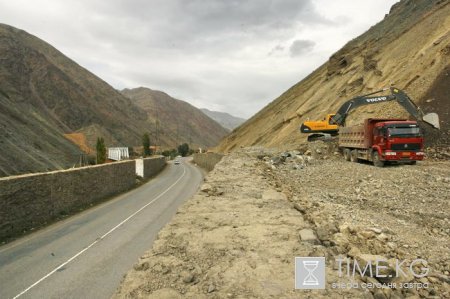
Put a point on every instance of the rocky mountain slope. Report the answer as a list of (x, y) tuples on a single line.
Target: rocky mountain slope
[(43, 95), (172, 122), (226, 120), (409, 49), (46, 100)]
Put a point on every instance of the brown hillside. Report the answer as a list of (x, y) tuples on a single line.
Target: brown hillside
[(409, 49), (173, 122), (44, 96), (80, 140), (36, 75)]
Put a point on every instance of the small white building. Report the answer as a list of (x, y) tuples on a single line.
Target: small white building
[(118, 153)]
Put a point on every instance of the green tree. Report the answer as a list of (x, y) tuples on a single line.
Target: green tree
[(146, 145), (183, 149), (101, 150), (170, 153)]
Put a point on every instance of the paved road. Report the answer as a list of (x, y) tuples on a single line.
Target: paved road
[(87, 255)]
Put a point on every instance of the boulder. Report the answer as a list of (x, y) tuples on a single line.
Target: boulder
[(308, 235)]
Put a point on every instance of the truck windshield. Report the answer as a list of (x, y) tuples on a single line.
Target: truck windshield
[(414, 131)]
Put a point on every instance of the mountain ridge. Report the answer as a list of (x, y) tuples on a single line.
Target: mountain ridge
[(179, 121), (45, 97), (225, 119)]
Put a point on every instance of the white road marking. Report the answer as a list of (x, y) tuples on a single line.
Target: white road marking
[(99, 239)]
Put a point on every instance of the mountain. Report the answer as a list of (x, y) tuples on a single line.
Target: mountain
[(173, 121), (45, 95), (226, 120), (409, 49), (52, 110)]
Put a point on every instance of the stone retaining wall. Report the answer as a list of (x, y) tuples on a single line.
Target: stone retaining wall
[(35, 200), (152, 166)]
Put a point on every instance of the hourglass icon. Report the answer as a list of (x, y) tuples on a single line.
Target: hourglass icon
[(310, 279)]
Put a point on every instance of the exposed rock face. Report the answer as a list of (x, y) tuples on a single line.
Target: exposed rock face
[(408, 49)]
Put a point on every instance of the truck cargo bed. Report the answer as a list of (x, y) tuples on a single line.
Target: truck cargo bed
[(353, 137), (360, 136)]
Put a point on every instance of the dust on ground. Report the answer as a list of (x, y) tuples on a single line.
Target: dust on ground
[(238, 236)]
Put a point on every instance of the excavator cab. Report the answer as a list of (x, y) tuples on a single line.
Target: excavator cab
[(320, 126), (320, 130)]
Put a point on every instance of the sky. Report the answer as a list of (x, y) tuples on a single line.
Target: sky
[(224, 55)]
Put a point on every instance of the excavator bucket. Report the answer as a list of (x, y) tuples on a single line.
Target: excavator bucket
[(432, 119)]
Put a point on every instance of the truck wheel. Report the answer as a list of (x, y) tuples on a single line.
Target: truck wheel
[(346, 154), (376, 160), (354, 156)]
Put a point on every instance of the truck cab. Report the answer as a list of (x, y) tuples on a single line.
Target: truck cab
[(400, 141)]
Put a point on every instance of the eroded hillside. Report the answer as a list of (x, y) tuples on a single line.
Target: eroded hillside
[(409, 49), (46, 97), (173, 122)]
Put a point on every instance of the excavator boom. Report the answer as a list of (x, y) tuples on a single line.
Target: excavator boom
[(332, 122), (397, 95)]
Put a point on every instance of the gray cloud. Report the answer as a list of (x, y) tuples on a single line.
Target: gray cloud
[(300, 47), (220, 54), (277, 48)]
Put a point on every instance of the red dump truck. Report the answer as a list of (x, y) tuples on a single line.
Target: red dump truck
[(381, 141)]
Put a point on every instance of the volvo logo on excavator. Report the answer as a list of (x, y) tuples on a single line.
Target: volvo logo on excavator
[(379, 99)]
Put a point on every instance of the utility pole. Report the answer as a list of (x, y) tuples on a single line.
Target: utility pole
[(178, 133), (157, 126)]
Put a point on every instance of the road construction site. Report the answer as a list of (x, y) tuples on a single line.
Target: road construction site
[(259, 209)]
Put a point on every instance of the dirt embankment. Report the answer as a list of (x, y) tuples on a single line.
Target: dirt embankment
[(237, 238), (207, 160)]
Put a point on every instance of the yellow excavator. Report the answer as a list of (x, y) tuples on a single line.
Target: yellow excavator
[(329, 126)]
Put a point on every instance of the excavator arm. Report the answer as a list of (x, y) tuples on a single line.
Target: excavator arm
[(318, 130), (396, 94)]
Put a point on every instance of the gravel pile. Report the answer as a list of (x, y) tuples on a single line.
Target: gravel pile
[(358, 210)]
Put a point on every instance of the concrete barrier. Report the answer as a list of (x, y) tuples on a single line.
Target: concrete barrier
[(207, 160)]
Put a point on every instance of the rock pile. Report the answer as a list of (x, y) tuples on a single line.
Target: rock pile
[(360, 212)]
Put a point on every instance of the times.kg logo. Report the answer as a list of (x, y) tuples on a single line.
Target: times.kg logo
[(310, 273)]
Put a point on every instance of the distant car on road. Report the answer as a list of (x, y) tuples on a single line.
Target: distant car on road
[(177, 162)]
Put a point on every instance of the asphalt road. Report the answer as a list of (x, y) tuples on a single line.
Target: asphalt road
[(86, 256)]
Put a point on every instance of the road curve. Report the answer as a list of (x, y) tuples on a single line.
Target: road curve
[(86, 256)]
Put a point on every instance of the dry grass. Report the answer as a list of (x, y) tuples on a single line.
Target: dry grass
[(80, 140)]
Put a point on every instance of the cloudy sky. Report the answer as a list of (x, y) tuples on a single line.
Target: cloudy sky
[(226, 55)]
